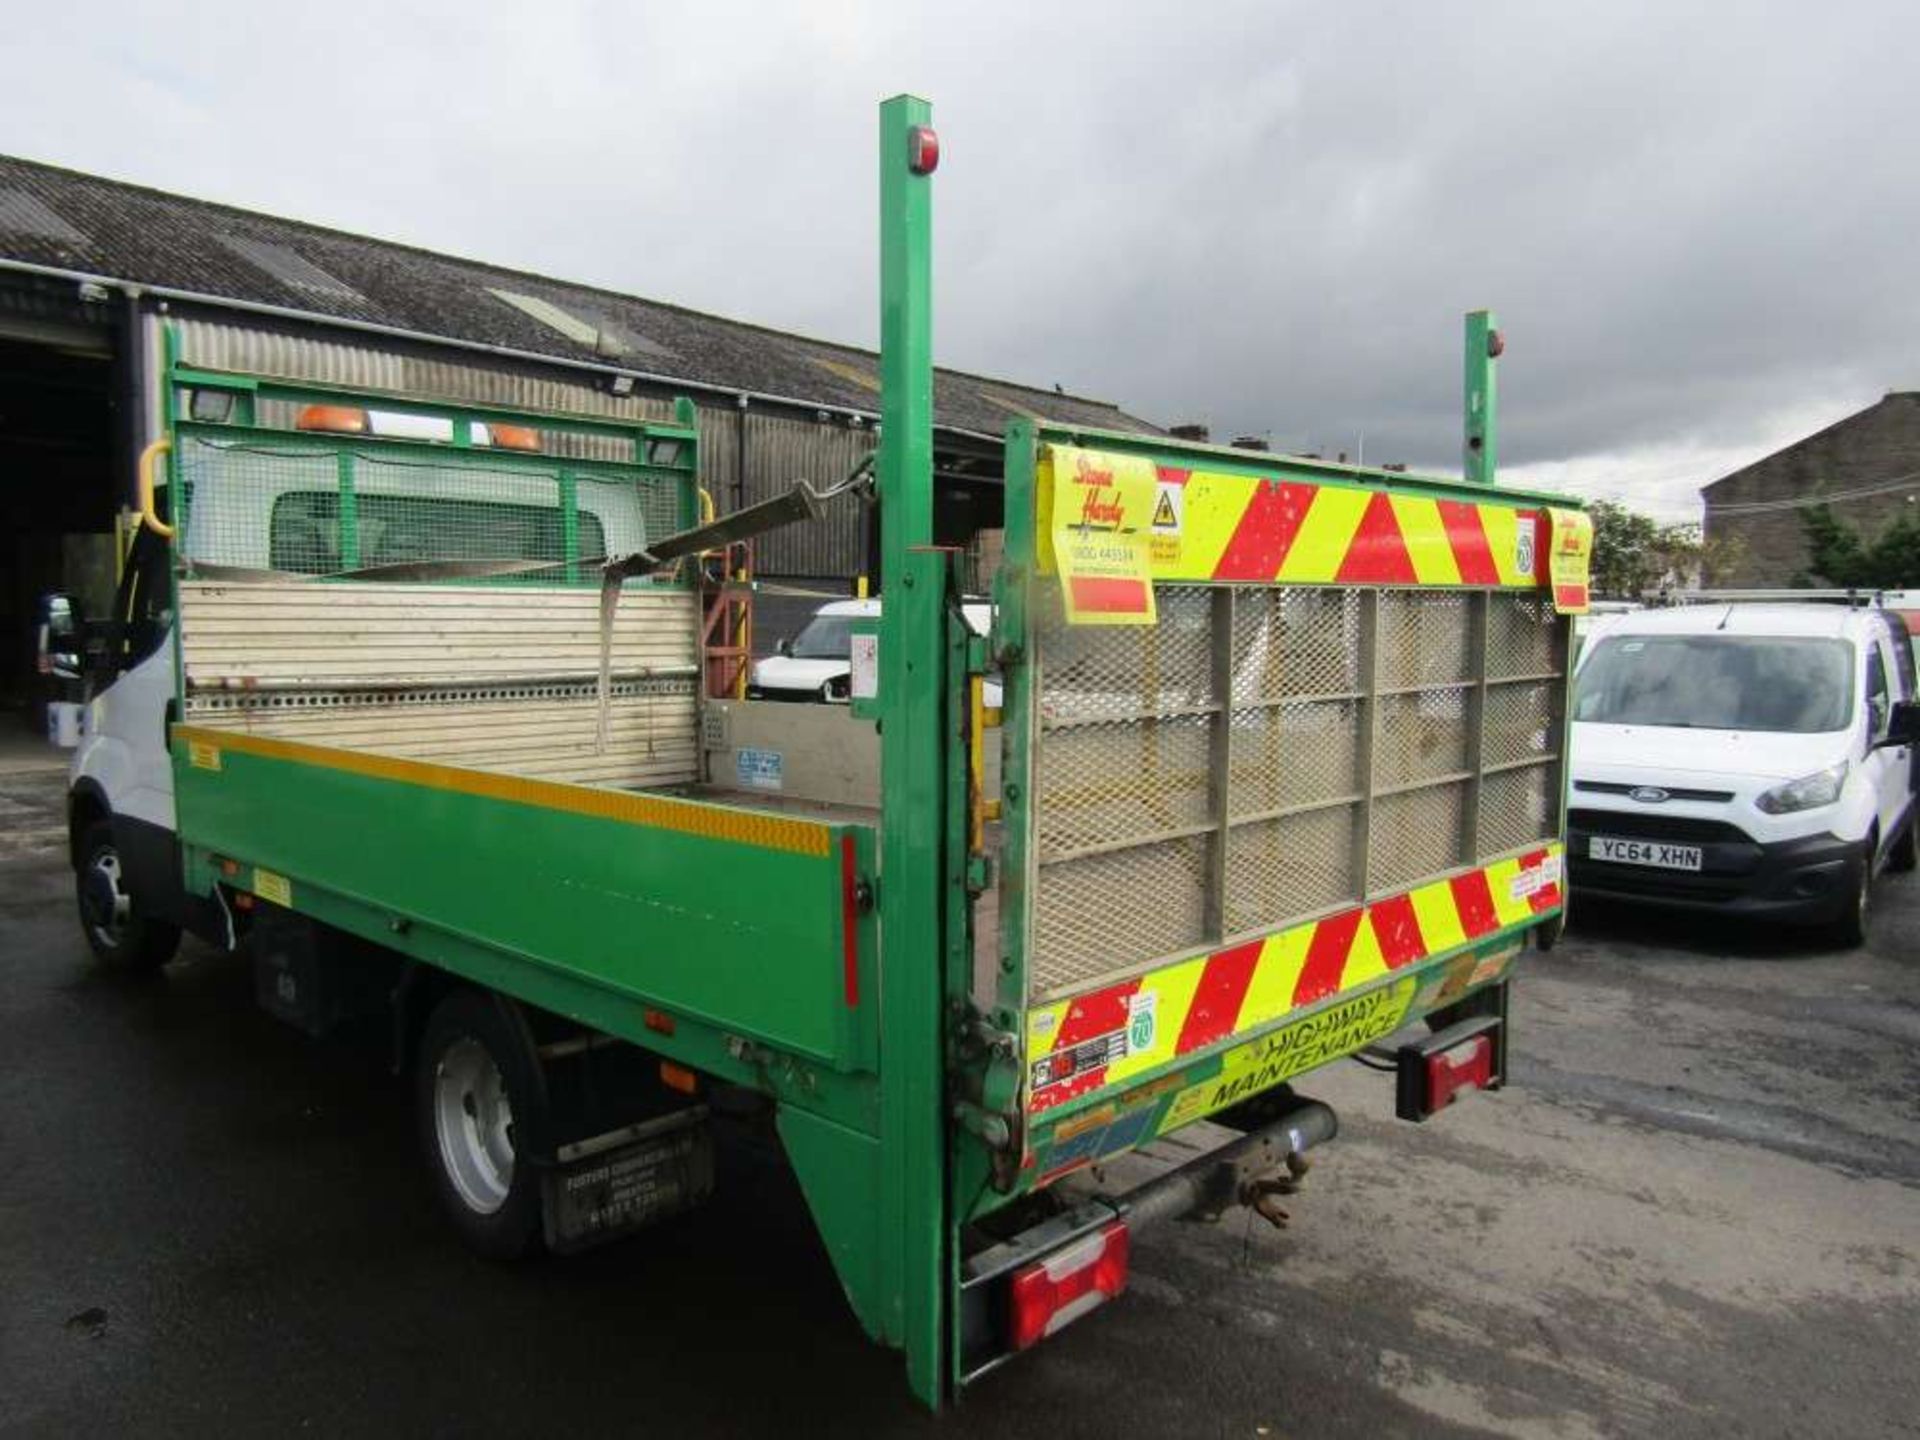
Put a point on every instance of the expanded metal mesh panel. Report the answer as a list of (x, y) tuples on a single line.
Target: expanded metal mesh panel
[(1518, 807), (1102, 911), (1347, 710), (312, 507), (610, 497), (1098, 784), (1420, 736), (1289, 866), (1523, 635), (1522, 722), (1415, 834), (1295, 642), (1123, 672), (1424, 637), (1299, 753)]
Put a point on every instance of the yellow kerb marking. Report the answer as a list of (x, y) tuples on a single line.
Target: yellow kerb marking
[(688, 817), (1325, 536), (1426, 536)]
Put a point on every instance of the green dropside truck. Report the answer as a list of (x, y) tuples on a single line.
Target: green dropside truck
[(408, 697)]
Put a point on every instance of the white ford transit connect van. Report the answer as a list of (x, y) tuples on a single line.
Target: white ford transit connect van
[(1750, 759)]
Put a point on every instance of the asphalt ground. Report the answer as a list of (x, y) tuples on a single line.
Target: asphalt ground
[(1694, 1212)]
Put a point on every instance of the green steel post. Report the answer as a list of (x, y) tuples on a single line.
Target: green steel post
[(912, 670), (349, 513), (1482, 407)]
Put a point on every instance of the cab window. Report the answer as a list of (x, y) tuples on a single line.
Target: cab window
[(144, 606), (1877, 707)]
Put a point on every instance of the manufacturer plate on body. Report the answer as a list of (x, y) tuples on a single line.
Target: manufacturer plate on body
[(1657, 854)]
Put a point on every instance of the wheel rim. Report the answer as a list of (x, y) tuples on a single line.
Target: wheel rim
[(473, 1121), (104, 902)]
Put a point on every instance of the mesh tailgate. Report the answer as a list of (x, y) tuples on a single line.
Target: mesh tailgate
[(1263, 755)]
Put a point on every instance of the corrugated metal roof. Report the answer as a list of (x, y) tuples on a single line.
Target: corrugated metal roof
[(128, 232)]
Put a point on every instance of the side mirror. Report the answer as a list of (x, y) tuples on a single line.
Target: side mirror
[(58, 637), (785, 647), (1903, 725)]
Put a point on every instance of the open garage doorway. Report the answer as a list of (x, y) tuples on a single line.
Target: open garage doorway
[(62, 458)]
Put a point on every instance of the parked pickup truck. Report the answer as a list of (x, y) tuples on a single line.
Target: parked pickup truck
[(1279, 777)]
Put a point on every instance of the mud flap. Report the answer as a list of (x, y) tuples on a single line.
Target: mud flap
[(610, 1186)]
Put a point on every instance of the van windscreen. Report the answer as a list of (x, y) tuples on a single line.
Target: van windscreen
[(1798, 685)]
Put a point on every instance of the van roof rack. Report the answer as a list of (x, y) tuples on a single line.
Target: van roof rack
[(1863, 598)]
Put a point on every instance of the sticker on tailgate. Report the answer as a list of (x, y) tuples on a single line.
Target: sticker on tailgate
[(1248, 1069)]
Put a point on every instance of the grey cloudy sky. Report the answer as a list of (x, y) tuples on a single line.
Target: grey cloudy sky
[(1697, 221)]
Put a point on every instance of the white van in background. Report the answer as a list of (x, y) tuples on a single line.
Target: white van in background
[(1745, 759), (817, 664)]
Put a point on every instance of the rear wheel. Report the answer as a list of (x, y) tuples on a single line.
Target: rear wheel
[(116, 930), (477, 1100)]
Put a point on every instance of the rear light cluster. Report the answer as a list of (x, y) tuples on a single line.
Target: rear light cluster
[(1054, 1292), (1451, 1073), (1436, 1071)]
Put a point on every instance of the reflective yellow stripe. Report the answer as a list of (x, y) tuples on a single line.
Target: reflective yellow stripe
[(1175, 988), (1364, 960), (1210, 514), (1275, 975), (1426, 536), (1325, 535), (688, 817), (1439, 917)]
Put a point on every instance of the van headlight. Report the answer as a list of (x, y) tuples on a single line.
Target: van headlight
[(1820, 788)]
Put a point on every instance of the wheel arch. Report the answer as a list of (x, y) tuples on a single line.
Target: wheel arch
[(86, 807)]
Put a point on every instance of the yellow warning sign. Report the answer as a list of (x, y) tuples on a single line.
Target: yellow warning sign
[(203, 756), (1163, 516), (1096, 509), (1569, 556), (1248, 1069), (269, 886)]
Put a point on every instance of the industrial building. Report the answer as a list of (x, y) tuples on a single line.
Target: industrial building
[(1865, 467), (92, 269)]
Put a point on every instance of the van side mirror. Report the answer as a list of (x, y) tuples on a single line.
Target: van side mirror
[(58, 637), (785, 647), (1903, 725)]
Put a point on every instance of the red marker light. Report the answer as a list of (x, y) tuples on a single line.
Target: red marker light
[(923, 150), (1496, 344)]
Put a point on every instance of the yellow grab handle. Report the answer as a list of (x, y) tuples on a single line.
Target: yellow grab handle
[(147, 515)]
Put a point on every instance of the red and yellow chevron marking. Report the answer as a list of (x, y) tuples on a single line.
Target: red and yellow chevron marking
[(1210, 998), (1273, 531)]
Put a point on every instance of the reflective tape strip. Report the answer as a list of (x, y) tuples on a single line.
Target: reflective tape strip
[(1266, 530), (688, 817), (1184, 1007)]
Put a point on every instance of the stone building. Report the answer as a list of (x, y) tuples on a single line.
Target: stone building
[(1866, 467)]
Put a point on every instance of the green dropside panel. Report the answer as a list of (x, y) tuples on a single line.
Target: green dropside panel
[(741, 935)]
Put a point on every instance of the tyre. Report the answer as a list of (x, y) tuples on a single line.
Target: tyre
[(119, 934), (479, 1102), (1849, 929), (1904, 853)]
